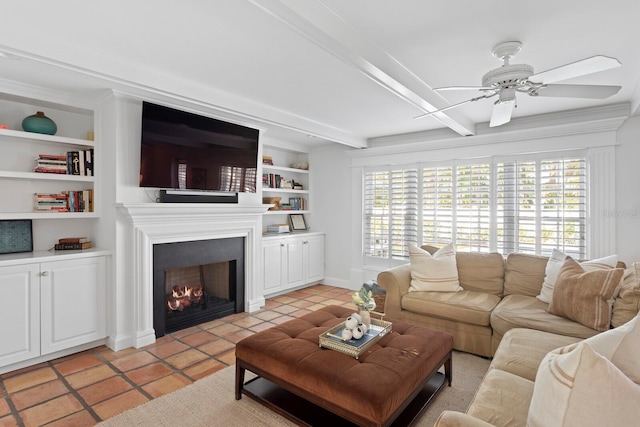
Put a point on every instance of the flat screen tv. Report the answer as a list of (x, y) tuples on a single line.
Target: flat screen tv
[(185, 151)]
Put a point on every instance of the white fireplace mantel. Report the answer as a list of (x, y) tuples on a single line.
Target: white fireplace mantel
[(157, 223)]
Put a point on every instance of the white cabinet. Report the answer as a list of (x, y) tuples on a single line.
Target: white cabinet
[(292, 261), (51, 306)]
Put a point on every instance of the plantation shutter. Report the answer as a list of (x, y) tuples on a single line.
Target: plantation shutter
[(473, 209), (437, 205), (390, 212)]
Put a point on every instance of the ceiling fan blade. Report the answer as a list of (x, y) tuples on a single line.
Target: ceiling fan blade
[(501, 113), (452, 88), (578, 91), (430, 113), (576, 69)]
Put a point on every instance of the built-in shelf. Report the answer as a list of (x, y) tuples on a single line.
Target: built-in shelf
[(283, 190), (286, 212), (284, 169), (45, 176), (45, 138)]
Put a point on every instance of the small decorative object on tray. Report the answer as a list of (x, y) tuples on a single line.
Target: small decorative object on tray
[(337, 339), (363, 299)]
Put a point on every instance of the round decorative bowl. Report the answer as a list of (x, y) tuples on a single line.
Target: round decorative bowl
[(39, 123)]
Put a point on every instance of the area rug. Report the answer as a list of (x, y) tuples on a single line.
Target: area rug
[(211, 402)]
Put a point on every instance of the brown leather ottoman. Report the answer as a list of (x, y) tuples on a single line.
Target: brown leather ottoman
[(373, 390)]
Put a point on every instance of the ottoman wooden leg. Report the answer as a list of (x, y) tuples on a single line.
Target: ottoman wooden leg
[(448, 374), (239, 380)]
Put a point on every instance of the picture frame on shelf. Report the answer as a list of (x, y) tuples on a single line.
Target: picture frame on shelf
[(297, 222), (16, 235)]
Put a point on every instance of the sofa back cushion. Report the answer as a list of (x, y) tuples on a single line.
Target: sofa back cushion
[(478, 272), (524, 274)]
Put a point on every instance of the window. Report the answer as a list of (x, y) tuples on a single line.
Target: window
[(235, 178), (529, 205)]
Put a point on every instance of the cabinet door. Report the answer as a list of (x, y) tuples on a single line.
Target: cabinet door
[(20, 313), (272, 259), (314, 258), (293, 263), (73, 303)]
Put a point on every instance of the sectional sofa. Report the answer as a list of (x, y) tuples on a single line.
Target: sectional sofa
[(498, 294)]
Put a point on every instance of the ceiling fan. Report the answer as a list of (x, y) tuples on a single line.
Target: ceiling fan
[(509, 79)]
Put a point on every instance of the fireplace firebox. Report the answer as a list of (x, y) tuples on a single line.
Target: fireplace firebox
[(196, 282)]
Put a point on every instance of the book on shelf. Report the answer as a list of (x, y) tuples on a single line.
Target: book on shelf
[(72, 246), (74, 240), (65, 201), (267, 160), (77, 162), (278, 228)]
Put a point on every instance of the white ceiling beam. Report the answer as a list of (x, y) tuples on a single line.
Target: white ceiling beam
[(323, 27)]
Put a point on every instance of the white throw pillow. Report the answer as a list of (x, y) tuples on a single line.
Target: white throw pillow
[(435, 273), (582, 388), (555, 263), (620, 345)]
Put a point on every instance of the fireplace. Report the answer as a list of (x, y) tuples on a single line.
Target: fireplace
[(196, 282)]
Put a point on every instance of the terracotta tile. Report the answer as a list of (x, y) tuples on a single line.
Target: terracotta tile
[(334, 301), (149, 373), (262, 327), (269, 304), (228, 357), (167, 349), (162, 340), (4, 407), (217, 346), (285, 309), (302, 303), (104, 390), (212, 324), (38, 394), (198, 338), (267, 315), (203, 369), (300, 313), (77, 364), (282, 319), (316, 298), (186, 358), (134, 361), (225, 329), (166, 385), (238, 336), (119, 403), (79, 419), (185, 332), (90, 376), (248, 321), (9, 421), (284, 299), (29, 379), (111, 355), (233, 317), (316, 307), (23, 370), (51, 410)]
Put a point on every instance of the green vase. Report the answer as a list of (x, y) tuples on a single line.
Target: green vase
[(39, 123)]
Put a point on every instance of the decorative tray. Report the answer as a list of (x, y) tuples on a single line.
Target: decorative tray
[(354, 348)]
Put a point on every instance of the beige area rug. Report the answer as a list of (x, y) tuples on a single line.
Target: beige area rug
[(210, 401)]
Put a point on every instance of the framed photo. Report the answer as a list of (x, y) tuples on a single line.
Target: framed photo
[(297, 222), (15, 236)]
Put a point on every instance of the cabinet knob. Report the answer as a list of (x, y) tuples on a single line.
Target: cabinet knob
[(305, 242), (45, 273), (282, 245)]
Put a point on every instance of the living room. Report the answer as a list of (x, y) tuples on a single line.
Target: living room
[(339, 84)]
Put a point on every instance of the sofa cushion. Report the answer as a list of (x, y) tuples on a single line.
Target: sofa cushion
[(435, 273), (502, 399), (582, 388), (585, 296), (555, 263), (517, 355), (464, 306), (520, 311), (524, 274), (480, 272), (627, 304)]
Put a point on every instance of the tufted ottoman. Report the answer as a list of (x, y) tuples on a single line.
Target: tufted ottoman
[(392, 381)]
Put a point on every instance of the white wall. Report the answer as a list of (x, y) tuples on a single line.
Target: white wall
[(627, 209)]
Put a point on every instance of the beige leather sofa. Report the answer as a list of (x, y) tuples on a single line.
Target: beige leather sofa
[(499, 295)]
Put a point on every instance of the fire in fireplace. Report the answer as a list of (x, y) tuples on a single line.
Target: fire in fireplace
[(195, 282)]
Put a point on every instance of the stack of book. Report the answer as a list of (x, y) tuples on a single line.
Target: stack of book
[(51, 163), (278, 228), (78, 162), (51, 202), (72, 243), (267, 160)]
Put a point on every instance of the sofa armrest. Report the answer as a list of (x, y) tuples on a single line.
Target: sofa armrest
[(396, 282), (458, 419)]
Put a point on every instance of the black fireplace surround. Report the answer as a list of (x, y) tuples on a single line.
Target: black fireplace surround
[(226, 254)]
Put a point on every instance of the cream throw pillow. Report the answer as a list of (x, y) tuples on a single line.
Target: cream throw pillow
[(553, 268), (585, 296), (435, 273), (627, 304), (582, 388)]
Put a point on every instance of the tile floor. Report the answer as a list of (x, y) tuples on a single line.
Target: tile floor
[(84, 388)]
